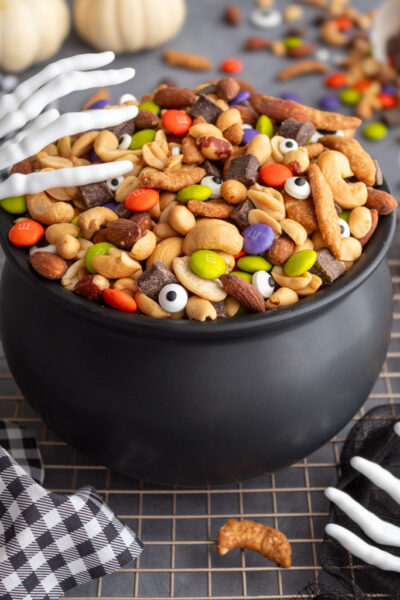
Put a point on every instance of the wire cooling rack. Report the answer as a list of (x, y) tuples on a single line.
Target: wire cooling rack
[(179, 527)]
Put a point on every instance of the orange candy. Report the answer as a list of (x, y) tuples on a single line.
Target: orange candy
[(176, 121), (274, 174), (344, 23), (387, 101), (239, 255), (120, 300), (141, 199), (232, 65), (26, 233), (336, 80), (362, 85)]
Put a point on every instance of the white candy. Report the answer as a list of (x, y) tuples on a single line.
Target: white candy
[(127, 98), (50, 248), (265, 17), (298, 187), (175, 151), (344, 228), (246, 126), (124, 141), (322, 54), (287, 144), (264, 283), (315, 137), (173, 298), (214, 183)]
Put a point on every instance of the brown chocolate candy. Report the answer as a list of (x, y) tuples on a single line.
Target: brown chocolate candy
[(123, 128), (206, 108), (220, 309), (95, 194), (244, 169), (123, 233), (327, 267), (146, 119), (154, 279), (297, 130), (240, 215)]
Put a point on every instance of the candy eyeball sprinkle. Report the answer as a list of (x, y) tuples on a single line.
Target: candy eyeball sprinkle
[(175, 151), (339, 132), (315, 137), (114, 183), (344, 228), (124, 141), (127, 98), (298, 188), (173, 298), (246, 126), (287, 145), (266, 17), (214, 183), (264, 283)]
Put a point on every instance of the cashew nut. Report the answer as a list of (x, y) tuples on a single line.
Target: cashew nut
[(53, 232), (126, 283), (294, 230), (213, 234), (115, 265), (144, 247), (199, 309), (275, 148), (209, 289), (48, 211), (93, 219), (312, 287), (335, 166), (166, 251), (67, 246), (84, 245), (129, 184), (293, 283), (162, 231), (149, 307), (75, 273), (106, 147), (260, 216), (84, 143)]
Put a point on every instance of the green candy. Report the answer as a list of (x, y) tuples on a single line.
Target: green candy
[(246, 276), (300, 262), (151, 106), (96, 250), (350, 96), (16, 205), (140, 138), (75, 221), (264, 125), (293, 42), (194, 192), (345, 214), (375, 131), (242, 311), (207, 264), (251, 264)]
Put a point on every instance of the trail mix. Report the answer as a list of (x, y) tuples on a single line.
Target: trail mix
[(237, 202)]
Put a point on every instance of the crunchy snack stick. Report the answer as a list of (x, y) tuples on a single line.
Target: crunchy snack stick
[(268, 542), (327, 217), (362, 165)]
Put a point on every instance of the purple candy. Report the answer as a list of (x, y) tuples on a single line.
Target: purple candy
[(93, 157), (241, 97), (248, 135), (390, 88), (290, 96), (329, 102), (99, 104), (111, 205), (257, 238)]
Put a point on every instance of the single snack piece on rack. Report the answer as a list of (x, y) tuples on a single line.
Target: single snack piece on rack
[(270, 543)]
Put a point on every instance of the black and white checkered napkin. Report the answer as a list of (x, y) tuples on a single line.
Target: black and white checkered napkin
[(50, 543), (21, 443)]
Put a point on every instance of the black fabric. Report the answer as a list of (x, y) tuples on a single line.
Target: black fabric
[(372, 438)]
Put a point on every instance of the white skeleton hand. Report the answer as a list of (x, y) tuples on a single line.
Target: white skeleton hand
[(32, 96), (375, 528)]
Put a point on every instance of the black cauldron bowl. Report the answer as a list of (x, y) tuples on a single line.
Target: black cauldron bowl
[(191, 404)]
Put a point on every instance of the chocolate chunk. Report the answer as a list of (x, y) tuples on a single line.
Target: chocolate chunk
[(95, 194), (338, 208), (240, 215), (220, 308), (154, 279), (244, 168), (378, 174), (211, 168), (100, 236), (391, 117), (122, 211), (146, 119), (206, 108), (210, 88), (327, 267), (127, 127), (297, 130)]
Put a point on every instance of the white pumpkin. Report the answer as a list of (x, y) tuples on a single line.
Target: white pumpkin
[(128, 25), (31, 31)]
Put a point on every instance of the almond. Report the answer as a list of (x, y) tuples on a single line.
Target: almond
[(24, 167), (142, 219), (87, 288), (278, 109), (282, 248), (123, 233), (243, 291), (248, 115), (374, 217), (48, 265), (145, 119), (257, 42), (382, 201), (233, 15), (100, 236), (172, 97), (302, 51), (227, 88)]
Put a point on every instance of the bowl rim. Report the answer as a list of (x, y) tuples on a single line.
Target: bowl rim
[(253, 324)]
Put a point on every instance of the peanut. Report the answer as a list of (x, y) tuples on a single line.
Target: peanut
[(260, 147), (53, 232), (67, 246), (350, 249), (144, 247), (281, 298), (181, 219), (48, 211), (233, 191), (360, 221), (93, 219)]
